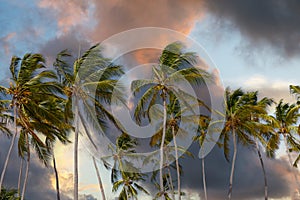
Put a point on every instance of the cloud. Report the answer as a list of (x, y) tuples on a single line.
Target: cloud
[(248, 178), (41, 180), (77, 12), (116, 16), (5, 42), (99, 20), (275, 23), (71, 42), (276, 89), (39, 186)]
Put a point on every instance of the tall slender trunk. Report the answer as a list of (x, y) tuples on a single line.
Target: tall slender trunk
[(291, 162), (99, 179), (76, 151), (161, 183), (56, 176), (20, 177), (10, 147), (264, 171), (177, 164), (233, 164), (204, 179), (170, 180), (27, 168)]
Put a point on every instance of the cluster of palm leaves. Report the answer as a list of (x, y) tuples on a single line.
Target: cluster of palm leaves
[(42, 105)]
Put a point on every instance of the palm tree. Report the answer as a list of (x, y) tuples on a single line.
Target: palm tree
[(5, 117), (200, 138), (286, 117), (295, 90), (123, 173), (89, 70), (263, 132), (130, 186), (28, 90), (174, 66), (175, 116), (167, 180), (62, 128), (238, 125)]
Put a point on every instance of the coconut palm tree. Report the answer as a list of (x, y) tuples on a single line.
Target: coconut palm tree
[(167, 180), (238, 125), (200, 138), (123, 173), (89, 70), (56, 127), (175, 116), (263, 131), (5, 117), (29, 88), (295, 90), (285, 124), (174, 66)]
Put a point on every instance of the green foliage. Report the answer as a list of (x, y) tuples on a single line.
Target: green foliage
[(123, 174), (9, 194)]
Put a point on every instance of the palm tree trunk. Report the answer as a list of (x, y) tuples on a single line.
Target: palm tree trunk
[(291, 162), (204, 179), (10, 147), (27, 168), (56, 176), (25, 180), (177, 164), (170, 180), (264, 171), (233, 164), (99, 179), (161, 183), (76, 151), (20, 177)]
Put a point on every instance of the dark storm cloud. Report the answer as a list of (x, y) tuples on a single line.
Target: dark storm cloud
[(248, 177), (272, 22), (71, 42), (39, 185)]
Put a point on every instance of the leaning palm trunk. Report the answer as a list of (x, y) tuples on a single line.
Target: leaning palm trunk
[(204, 179), (27, 168), (56, 176), (264, 171), (177, 164), (76, 150), (233, 164), (20, 177), (99, 179), (10, 147), (291, 163), (25, 180), (161, 183)]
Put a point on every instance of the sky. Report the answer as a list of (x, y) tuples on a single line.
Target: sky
[(254, 45)]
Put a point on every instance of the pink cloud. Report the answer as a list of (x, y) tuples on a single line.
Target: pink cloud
[(68, 13), (4, 41)]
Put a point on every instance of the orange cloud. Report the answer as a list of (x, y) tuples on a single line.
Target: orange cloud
[(117, 15)]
